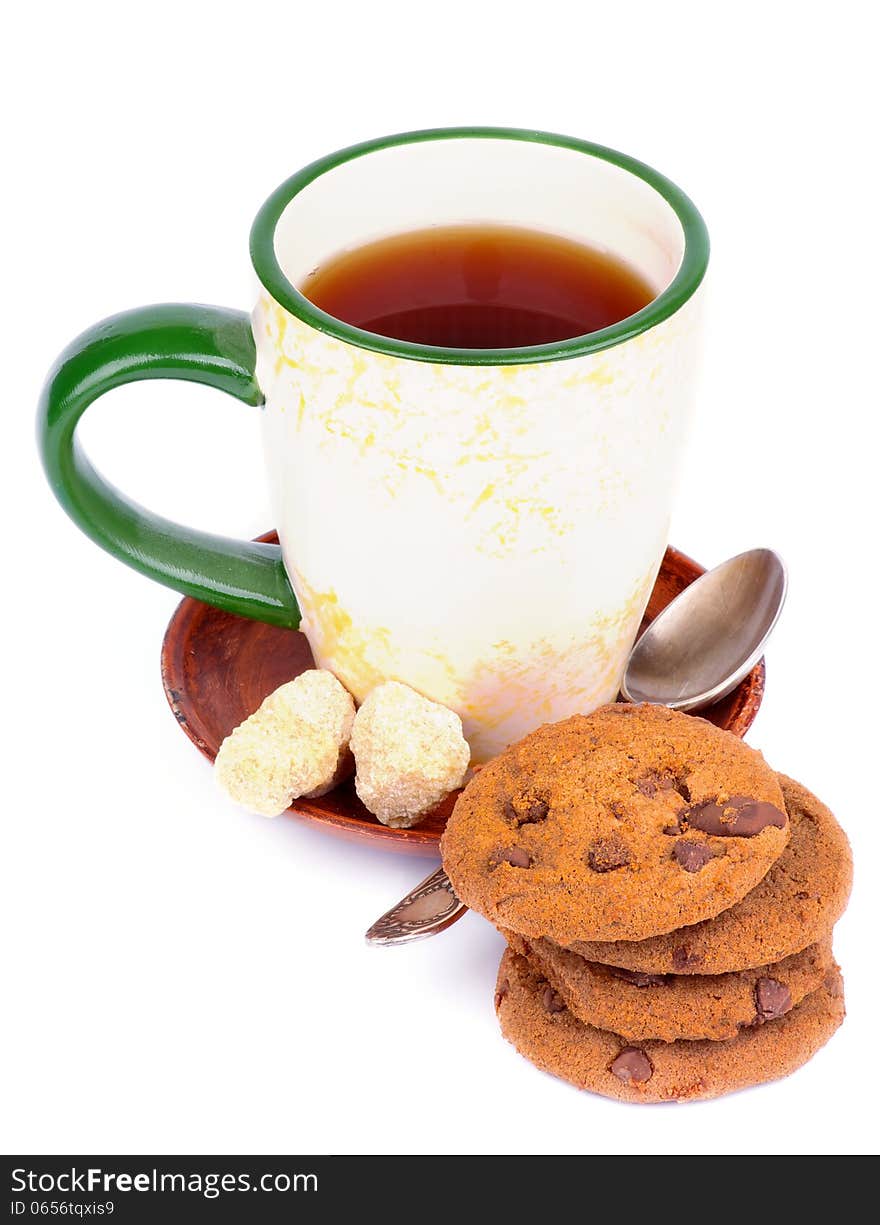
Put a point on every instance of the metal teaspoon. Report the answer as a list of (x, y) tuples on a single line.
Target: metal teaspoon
[(693, 654)]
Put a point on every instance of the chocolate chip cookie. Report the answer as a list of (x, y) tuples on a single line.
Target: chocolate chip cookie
[(674, 1006), (796, 904), (621, 825), (536, 1021)]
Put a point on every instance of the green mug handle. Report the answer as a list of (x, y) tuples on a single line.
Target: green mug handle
[(202, 344)]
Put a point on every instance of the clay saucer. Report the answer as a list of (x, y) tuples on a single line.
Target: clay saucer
[(217, 668)]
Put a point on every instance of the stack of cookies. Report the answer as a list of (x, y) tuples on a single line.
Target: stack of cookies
[(667, 899)]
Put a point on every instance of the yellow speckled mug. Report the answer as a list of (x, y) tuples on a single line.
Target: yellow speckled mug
[(485, 525)]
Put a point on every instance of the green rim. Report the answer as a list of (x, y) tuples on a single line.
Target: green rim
[(687, 279)]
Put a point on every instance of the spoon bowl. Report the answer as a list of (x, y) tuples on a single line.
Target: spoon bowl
[(701, 645)]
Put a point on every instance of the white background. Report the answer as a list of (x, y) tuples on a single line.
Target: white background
[(181, 977)]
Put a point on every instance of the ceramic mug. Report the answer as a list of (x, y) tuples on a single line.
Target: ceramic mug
[(485, 525)]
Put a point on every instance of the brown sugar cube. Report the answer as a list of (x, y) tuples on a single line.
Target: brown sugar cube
[(409, 753), (296, 744)]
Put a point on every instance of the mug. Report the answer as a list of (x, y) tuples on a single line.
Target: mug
[(484, 525)]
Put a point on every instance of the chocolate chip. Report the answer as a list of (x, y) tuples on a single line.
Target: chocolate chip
[(637, 979), (738, 817), (834, 983), (552, 1000), (684, 961), (608, 854), (514, 855), (501, 991), (691, 855), (632, 1066), (772, 999), (526, 809), (652, 782), (671, 830), (683, 790), (616, 809)]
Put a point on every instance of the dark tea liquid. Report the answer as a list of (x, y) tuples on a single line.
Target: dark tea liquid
[(478, 287)]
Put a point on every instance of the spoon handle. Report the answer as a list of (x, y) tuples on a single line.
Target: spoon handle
[(430, 908)]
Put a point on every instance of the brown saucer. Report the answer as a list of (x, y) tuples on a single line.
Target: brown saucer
[(217, 668)]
